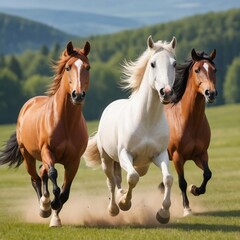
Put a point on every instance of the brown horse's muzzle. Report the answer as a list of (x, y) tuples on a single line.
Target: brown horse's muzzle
[(77, 98), (210, 96)]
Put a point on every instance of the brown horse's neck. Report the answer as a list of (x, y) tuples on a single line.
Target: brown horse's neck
[(193, 103)]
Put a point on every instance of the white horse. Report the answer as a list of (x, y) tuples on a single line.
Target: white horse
[(133, 132)]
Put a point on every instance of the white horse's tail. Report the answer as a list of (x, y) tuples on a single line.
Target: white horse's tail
[(92, 156)]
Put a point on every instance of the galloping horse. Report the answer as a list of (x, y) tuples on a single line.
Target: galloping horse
[(52, 129), (189, 129), (133, 133)]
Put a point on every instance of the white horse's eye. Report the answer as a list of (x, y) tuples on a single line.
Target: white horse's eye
[(174, 64)]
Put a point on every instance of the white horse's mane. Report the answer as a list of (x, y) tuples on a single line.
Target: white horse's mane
[(132, 73)]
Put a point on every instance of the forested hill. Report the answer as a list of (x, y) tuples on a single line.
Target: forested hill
[(202, 32), (18, 34)]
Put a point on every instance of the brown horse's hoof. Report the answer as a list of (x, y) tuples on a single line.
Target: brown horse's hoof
[(163, 216), (123, 206), (193, 190), (113, 211), (45, 214)]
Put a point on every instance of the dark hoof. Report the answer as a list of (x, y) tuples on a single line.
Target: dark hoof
[(163, 220), (193, 190), (45, 214), (161, 187), (124, 206)]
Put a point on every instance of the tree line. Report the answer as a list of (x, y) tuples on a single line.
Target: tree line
[(29, 74)]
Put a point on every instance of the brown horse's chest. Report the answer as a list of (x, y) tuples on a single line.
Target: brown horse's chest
[(68, 146), (193, 143)]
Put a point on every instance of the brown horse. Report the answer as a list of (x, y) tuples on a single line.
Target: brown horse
[(189, 129), (52, 129)]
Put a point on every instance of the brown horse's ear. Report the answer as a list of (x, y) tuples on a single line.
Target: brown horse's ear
[(150, 42), (213, 54), (69, 48), (195, 57), (86, 48)]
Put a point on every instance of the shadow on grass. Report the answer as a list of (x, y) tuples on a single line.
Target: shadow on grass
[(194, 226)]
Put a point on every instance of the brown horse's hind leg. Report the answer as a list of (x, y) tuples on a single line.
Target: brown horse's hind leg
[(207, 174), (183, 186), (30, 164)]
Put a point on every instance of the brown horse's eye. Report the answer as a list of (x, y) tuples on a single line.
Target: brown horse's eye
[(68, 68), (197, 70), (88, 68)]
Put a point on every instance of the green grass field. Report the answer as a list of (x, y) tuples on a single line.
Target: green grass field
[(217, 213)]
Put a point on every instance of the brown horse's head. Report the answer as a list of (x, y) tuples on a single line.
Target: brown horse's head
[(204, 73), (77, 72)]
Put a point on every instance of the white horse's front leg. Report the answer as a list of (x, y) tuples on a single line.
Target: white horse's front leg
[(162, 161), (107, 167), (126, 162)]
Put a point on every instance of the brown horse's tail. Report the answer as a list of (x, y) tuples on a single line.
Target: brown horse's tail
[(11, 155), (92, 155)]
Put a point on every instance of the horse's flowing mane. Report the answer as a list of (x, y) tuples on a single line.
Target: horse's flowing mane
[(133, 71), (59, 67)]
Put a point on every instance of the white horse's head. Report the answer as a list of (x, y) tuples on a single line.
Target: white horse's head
[(162, 67)]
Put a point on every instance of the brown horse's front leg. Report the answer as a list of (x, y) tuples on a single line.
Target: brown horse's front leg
[(48, 160), (56, 203), (207, 174)]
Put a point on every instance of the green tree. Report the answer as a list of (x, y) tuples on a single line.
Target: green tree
[(36, 85), (15, 67), (10, 96), (232, 82)]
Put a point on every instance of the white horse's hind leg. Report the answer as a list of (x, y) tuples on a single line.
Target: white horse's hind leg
[(126, 163), (107, 167), (55, 220), (162, 161)]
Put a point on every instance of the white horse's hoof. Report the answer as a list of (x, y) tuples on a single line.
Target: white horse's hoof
[(163, 216), (55, 221), (187, 212)]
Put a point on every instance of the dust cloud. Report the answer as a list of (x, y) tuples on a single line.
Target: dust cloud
[(88, 210)]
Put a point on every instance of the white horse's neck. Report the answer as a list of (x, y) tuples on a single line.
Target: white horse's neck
[(146, 105)]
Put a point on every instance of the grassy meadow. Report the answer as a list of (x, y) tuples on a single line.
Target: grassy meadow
[(84, 216)]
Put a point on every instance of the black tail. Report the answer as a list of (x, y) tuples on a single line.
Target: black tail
[(11, 155)]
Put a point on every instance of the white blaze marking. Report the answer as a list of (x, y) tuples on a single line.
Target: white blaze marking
[(78, 64), (205, 65)]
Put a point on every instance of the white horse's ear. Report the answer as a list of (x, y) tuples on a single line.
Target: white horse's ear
[(150, 42), (173, 43)]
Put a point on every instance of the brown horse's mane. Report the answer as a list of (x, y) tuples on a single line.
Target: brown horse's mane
[(59, 67), (182, 74)]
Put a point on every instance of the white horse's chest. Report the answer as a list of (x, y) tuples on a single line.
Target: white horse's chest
[(144, 143)]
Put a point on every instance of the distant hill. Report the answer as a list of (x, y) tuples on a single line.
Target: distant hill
[(18, 34), (77, 23)]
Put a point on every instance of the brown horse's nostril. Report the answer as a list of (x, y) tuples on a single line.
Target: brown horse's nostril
[(78, 97)]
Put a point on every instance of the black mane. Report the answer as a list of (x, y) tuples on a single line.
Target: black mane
[(182, 73)]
